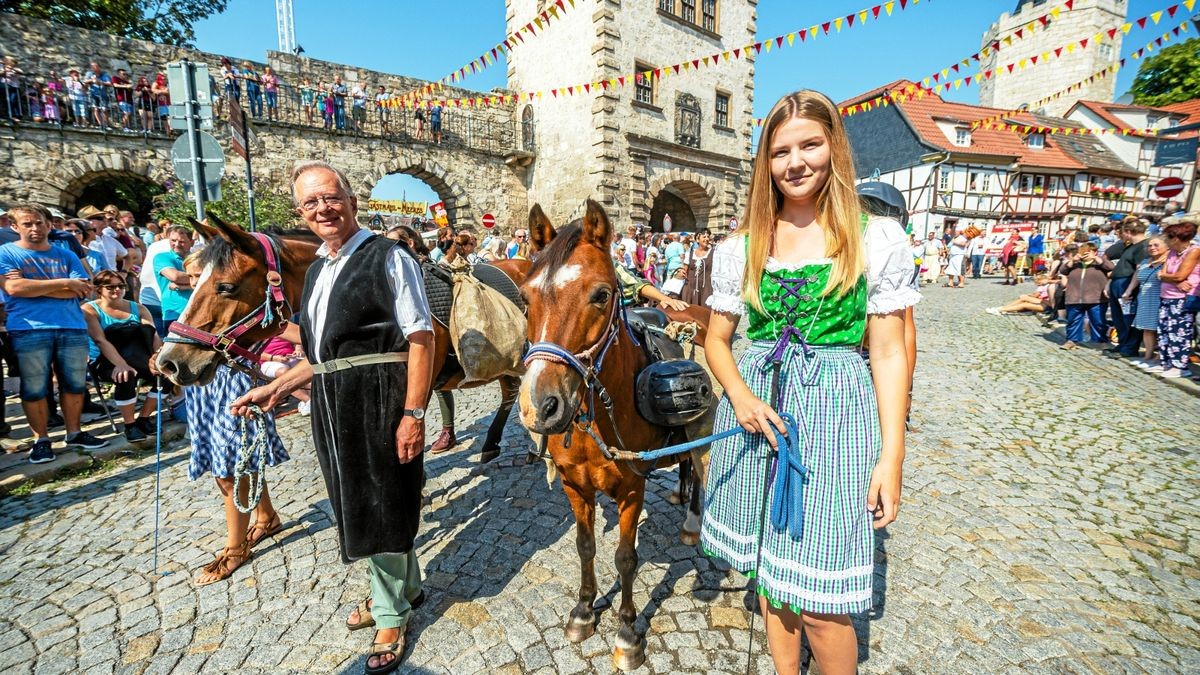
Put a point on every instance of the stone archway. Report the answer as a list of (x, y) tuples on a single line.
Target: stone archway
[(682, 193), (63, 185), (458, 203)]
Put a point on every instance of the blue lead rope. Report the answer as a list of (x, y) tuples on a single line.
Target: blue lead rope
[(787, 504)]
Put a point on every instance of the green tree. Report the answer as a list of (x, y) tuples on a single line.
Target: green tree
[(1170, 76), (272, 204), (166, 21)]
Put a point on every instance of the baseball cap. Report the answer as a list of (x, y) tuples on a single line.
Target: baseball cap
[(55, 213)]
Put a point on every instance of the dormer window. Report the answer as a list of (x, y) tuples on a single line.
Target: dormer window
[(1036, 141), (962, 137)]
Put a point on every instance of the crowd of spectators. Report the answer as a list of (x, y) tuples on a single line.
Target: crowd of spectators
[(141, 103), (1132, 287)]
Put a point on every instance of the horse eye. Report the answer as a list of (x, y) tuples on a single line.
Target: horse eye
[(601, 296), (225, 289)]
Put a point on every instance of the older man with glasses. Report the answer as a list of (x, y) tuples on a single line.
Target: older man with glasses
[(106, 242)]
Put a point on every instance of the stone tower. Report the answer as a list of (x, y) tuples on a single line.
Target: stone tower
[(1085, 19), (676, 145)]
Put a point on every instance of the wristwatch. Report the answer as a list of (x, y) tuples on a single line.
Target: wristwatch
[(415, 413)]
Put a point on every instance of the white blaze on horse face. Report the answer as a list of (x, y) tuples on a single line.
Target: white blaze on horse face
[(566, 274), (184, 316)]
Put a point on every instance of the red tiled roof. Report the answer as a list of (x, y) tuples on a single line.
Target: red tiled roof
[(1190, 108), (923, 114), (1101, 110), (897, 85)]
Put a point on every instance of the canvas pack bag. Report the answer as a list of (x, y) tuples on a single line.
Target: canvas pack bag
[(486, 329)]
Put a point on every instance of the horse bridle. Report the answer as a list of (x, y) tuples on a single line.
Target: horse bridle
[(273, 308), (588, 364)]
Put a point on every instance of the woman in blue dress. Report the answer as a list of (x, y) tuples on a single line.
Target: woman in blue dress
[(1145, 287), (810, 281)]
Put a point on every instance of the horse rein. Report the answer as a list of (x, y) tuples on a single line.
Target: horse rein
[(273, 308)]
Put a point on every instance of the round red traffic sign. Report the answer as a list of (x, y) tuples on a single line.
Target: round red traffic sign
[(489, 221), (1169, 187)]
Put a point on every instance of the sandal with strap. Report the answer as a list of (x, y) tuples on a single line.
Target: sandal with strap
[(396, 649), (365, 620), (260, 530), (227, 561)]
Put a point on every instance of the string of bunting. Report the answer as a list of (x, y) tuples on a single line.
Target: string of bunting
[(920, 90), (491, 56), (833, 25)]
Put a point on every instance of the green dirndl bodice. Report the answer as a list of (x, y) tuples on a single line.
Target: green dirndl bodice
[(825, 385)]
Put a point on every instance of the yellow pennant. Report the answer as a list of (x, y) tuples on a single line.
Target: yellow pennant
[(1055, 12), (790, 39), (1189, 4), (888, 7), (862, 16), (1156, 16), (837, 24), (1125, 28), (767, 45)]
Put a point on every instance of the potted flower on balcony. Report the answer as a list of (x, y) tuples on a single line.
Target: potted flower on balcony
[(1096, 190)]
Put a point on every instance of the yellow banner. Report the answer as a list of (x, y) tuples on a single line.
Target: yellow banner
[(397, 206)]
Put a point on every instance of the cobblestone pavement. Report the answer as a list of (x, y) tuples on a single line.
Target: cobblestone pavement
[(1049, 526)]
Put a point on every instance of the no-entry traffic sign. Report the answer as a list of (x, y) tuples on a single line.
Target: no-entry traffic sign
[(1169, 187), (489, 221)]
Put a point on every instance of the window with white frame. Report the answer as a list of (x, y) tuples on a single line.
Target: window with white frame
[(1025, 184), (643, 88), (1039, 184), (944, 180), (1036, 141), (973, 181), (722, 109), (1052, 185), (985, 182), (962, 137)]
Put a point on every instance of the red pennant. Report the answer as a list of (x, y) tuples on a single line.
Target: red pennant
[(825, 27), (570, 91), (1034, 58), (1171, 10), (1083, 43), (560, 4), (849, 20), (554, 93), (936, 76), (975, 56), (968, 81), (1045, 20), (1112, 33), (757, 47), (954, 67), (621, 79), (1175, 30), (875, 11), (779, 41), (736, 52), (1020, 32), (587, 87), (676, 67), (987, 74), (802, 34), (946, 86), (903, 3), (1141, 22), (493, 54), (1069, 4), (1057, 52), (1010, 67), (658, 72), (695, 63), (1158, 41), (545, 17)]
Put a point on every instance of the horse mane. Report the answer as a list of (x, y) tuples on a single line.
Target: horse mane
[(559, 249)]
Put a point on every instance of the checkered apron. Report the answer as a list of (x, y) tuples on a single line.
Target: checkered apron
[(214, 431), (828, 569)]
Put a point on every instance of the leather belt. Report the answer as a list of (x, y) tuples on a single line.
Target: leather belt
[(334, 365)]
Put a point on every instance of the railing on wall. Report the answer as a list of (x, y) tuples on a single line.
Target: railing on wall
[(481, 130)]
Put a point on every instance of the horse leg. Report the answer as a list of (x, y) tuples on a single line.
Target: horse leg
[(630, 651), (679, 492), (509, 388), (582, 623), (691, 525)]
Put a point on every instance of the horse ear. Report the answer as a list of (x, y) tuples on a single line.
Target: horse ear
[(240, 238), (207, 232), (541, 232), (596, 228)]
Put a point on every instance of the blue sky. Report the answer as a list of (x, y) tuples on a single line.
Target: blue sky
[(430, 39)]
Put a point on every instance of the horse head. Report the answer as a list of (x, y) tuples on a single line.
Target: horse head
[(232, 288), (572, 296)]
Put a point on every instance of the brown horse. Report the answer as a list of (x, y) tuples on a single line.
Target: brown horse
[(572, 297), (235, 283)]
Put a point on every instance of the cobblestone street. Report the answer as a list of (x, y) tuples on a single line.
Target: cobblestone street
[(1049, 525)]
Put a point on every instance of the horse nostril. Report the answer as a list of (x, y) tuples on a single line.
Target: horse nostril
[(549, 407), (168, 367)]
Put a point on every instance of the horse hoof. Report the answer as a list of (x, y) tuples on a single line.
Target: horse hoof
[(629, 658), (689, 538), (488, 455), (579, 630)]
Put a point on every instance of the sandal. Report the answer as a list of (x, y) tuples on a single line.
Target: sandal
[(396, 649), (365, 620), (260, 530), (226, 562)]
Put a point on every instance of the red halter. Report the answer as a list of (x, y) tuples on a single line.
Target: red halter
[(225, 342)]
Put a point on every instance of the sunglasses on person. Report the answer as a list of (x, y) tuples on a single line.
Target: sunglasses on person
[(114, 287)]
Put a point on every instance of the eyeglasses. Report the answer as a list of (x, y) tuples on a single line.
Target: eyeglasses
[(332, 201), (73, 231), (114, 287)]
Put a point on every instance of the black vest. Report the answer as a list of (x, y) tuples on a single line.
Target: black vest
[(361, 316)]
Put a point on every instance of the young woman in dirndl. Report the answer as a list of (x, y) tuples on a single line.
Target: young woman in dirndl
[(809, 280)]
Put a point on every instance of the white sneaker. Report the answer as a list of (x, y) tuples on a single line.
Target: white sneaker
[(993, 310), (1157, 368), (1147, 364), (304, 408), (1172, 373)]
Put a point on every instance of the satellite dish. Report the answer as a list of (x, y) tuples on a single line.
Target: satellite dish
[(1126, 99)]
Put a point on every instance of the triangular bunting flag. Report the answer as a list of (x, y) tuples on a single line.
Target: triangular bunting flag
[(875, 11)]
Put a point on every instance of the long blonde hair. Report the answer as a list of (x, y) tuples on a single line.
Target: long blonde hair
[(837, 202)]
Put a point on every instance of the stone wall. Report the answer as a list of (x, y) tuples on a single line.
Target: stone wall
[(1087, 18), (52, 166), (622, 152)]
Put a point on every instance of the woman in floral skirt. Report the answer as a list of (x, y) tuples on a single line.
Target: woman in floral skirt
[(809, 280)]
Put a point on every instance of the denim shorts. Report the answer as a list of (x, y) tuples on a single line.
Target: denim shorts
[(39, 352)]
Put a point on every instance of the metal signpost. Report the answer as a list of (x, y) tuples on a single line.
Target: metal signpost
[(241, 134), (196, 156)]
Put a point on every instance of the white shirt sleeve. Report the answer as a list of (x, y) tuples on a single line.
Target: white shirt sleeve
[(729, 268), (889, 268), (408, 284)]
